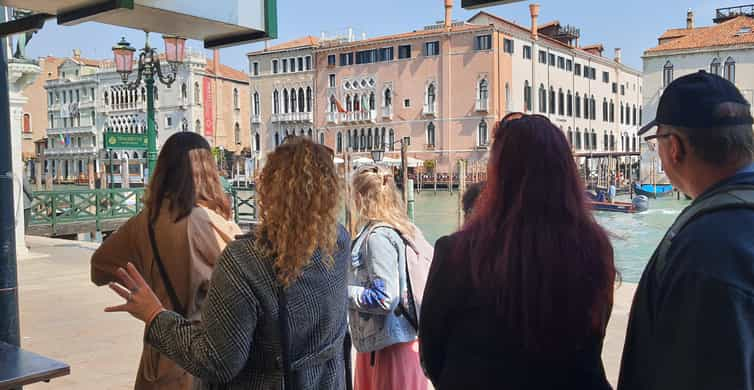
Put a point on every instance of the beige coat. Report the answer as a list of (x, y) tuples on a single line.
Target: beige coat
[(189, 249)]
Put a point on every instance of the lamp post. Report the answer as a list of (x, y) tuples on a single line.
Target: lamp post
[(149, 66), (379, 153)]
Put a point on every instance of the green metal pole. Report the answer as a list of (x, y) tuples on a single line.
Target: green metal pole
[(151, 131)]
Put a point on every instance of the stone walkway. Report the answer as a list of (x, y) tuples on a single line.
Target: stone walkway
[(62, 317)]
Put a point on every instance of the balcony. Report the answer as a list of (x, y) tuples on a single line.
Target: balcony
[(332, 117), (256, 119), (482, 105), (387, 112), (61, 150), (359, 116), (133, 106), (72, 130), (430, 109), (292, 117)]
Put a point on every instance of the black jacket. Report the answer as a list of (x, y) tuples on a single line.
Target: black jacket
[(462, 346), (692, 321)]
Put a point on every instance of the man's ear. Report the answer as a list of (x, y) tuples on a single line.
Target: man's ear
[(677, 149)]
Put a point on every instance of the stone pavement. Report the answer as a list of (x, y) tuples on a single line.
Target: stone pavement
[(62, 317)]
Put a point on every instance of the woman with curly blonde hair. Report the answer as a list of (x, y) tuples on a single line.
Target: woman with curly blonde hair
[(384, 338), (274, 316)]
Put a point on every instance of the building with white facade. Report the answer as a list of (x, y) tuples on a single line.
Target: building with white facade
[(88, 99), (725, 47)]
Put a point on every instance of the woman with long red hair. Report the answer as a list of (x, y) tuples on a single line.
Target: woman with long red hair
[(521, 296)]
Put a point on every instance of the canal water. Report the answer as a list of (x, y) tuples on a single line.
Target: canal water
[(635, 236)]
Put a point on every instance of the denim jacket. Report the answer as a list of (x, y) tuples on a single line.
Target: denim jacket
[(374, 290)]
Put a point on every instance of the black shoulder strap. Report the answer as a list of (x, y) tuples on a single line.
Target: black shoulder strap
[(727, 197), (165, 279)]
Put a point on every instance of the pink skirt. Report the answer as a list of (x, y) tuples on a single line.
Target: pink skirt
[(395, 367)]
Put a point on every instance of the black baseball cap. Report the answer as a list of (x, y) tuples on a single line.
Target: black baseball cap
[(691, 101)]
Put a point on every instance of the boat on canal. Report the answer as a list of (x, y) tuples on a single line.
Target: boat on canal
[(638, 204), (653, 191)]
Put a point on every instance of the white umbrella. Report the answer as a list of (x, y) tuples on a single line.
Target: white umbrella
[(362, 161), (338, 160), (414, 162)]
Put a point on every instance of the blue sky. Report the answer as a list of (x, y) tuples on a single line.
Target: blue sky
[(631, 25)]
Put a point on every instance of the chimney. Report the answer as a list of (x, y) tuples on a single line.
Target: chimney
[(690, 19), (77, 54), (534, 11), (617, 54), (216, 60), (350, 34), (448, 14)]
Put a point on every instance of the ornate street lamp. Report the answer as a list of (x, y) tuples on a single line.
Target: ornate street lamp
[(378, 154), (148, 67)]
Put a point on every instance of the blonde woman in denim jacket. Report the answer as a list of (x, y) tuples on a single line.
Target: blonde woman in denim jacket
[(386, 343)]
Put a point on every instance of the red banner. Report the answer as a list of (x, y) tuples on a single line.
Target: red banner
[(209, 106)]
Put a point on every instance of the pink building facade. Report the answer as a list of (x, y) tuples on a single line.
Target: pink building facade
[(434, 85)]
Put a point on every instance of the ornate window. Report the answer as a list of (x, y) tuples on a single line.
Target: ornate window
[(667, 74), (482, 133), (730, 70), (431, 134)]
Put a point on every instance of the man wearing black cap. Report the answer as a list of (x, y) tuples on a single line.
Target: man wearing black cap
[(692, 319)]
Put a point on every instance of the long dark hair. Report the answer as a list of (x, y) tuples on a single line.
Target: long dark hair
[(187, 176), (533, 247)]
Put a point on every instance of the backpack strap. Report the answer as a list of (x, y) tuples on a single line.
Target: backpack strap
[(733, 196)]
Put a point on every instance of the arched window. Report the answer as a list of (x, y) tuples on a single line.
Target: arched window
[(561, 102), (339, 143), (370, 143), (552, 100), (586, 137), (293, 100), (301, 100), (482, 133), (431, 97), (612, 111), (612, 141), (184, 125), (388, 98), (322, 138), (349, 103), (107, 99), (593, 108), (285, 101), (483, 88), (633, 144), (198, 126), (431, 134), (667, 74), (730, 70), (606, 141), (570, 136), (621, 113), (586, 106), (237, 133), (184, 92), (633, 115), (256, 103), (371, 101), (256, 141), (236, 103), (277, 139), (714, 67), (577, 105), (275, 102), (569, 103), (542, 99), (356, 103), (26, 124), (527, 96), (605, 110), (382, 139), (197, 93), (594, 139), (363, 141), (308, 99), (391, 139), (578, 139)]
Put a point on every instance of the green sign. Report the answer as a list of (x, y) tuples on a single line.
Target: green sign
[(125, 141), (473, 4)]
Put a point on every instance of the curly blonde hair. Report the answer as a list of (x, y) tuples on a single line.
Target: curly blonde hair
[(376, 199), (298, 198)]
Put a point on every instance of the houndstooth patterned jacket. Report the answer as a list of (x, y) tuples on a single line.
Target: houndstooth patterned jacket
[(237, 344)]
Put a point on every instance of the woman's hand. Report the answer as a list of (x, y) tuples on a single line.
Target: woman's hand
[(140, 299)]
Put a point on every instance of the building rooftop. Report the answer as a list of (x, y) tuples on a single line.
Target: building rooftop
[(735, 31), (227, 72), (306, 41)]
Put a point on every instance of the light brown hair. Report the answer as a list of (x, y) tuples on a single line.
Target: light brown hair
[(298, 198), (376, 199), (186, 175)]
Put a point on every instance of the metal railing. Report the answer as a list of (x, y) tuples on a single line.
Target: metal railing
[(55, 208), (369, 116), (293, 117)]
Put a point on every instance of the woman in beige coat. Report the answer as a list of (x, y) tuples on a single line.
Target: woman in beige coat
[(189, 213)]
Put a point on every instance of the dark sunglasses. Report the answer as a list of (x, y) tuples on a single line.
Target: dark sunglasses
[(657, 136), (514, 116)]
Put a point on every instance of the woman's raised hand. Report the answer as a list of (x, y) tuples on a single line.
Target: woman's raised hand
[(140, 299)]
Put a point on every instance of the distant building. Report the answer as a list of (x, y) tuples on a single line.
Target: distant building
[(446, 85), (88, 98), (282, 93), (725, 48)]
